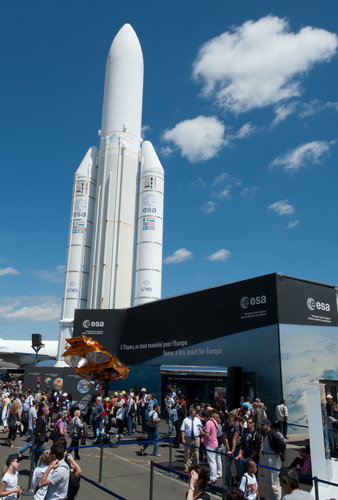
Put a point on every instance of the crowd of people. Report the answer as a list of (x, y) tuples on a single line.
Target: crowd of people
[(223, 439)]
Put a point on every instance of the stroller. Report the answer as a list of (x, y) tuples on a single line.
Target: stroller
[(109, 434)]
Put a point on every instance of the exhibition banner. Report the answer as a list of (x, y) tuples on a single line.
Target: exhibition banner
[(141, 333), (306, 303)]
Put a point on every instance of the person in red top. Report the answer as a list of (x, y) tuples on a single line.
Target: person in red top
[(106, 411), (211, 444)]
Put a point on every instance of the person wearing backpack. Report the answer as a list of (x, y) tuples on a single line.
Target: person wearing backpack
[(249, 484), (273, 450), (152, 424), (75, 428), (251, 442)]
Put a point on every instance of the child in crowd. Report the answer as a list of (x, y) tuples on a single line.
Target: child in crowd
[(9, 487), (46, 460), (249, 484)]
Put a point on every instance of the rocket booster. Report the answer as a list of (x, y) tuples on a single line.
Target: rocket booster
[(150, 228), (111, 284), (79, 243)]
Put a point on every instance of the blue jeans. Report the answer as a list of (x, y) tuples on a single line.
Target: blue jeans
[(170, 427), (130, 424), (29, 444), (152, 435)]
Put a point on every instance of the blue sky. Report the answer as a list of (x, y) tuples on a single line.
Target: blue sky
[(240, 102)]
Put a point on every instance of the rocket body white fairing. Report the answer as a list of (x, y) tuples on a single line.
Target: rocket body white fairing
[(111, 283), (123, 88)]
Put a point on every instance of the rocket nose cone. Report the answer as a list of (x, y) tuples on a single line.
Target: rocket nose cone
[(88, 161), (125, 44), (150, 158)]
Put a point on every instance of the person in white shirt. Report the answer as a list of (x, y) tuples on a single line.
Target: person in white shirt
[(32, 415), (281, 415), (9, 488), (191, 429), (249, 484), (46, 460)]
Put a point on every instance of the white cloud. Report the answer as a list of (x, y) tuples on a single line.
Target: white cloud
[(221, 255), (311, 108), (292, 224), (44, 309), (181, 255), (245, 131), (249, 192), (166, 151), (282, 207), (198, 139), (332, 105), (198, 183), (308, 153), (282, 111), (8, 270), (208, 207), (52, 276), (224, 193), (144, 130), (220, 179), (315, 106), (257, 64)]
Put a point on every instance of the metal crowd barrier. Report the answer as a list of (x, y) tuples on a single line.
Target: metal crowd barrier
[(99, 484), (315, 479)]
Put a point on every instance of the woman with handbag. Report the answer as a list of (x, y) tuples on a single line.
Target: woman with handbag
[(59, 428), (13, 419), (75, 430)]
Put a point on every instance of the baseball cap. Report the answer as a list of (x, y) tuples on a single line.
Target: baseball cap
[(12, 457), (266, 422)]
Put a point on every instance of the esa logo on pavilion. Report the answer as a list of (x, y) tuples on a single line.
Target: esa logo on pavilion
[(93, 324), (246, 302), (315, 304)]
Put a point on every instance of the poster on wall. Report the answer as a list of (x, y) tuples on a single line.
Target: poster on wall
[(58, 379)]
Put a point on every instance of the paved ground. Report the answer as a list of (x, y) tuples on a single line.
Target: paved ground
[(127, 473)]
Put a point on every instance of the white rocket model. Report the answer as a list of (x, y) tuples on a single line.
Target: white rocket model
[(104, 249)]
